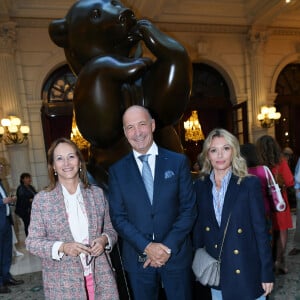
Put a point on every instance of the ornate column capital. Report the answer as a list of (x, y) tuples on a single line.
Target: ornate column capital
[(257, 38), (8, 37)]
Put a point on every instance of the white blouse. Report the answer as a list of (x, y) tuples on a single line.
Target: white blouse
[(78, 222)]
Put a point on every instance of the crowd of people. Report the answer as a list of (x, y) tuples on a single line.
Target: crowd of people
[(159, 215)]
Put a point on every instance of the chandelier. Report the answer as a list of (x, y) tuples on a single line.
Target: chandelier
[(193, 131), (76, 136), (11, 131), (267, 116)]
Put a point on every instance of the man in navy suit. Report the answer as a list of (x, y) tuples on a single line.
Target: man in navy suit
[(155, 229), (6, 241)]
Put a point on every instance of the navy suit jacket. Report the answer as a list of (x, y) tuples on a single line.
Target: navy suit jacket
[(2, 210), (246, 259), (170, 218)]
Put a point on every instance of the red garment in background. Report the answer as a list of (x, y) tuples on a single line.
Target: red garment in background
[(283, 220)]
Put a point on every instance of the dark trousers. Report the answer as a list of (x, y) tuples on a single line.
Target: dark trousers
[(26, 221), (147, 285), (5, 250)]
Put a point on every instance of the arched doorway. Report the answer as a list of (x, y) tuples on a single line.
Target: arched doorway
[(57, 107), (210, 97), (287, 129)]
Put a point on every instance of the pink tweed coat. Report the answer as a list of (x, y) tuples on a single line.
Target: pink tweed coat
[(64, 279)]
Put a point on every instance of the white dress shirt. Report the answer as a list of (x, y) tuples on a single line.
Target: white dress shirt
[(153, 151), (3, 194)]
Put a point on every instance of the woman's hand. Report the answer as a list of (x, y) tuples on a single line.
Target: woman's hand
[(98, 245), (74, 249), (267, 287)]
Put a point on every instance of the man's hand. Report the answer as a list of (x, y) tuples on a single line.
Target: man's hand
[(157, 255), (9, 200)]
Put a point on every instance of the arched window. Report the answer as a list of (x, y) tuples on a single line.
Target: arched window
[(58, 118)]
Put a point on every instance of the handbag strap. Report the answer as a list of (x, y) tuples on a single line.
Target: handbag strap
[(270, 177), (225, 231)]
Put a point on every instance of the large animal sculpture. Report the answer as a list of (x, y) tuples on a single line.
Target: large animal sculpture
[(103, 43)]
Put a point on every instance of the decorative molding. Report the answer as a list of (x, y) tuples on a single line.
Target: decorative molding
[(38, 22), (8, 37), (202, 28), (257, 39), (285, 31)]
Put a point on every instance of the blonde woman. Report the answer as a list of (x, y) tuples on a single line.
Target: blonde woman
[(226, 193)]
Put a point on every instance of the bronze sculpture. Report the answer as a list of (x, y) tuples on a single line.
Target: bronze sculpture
[(102, 41)]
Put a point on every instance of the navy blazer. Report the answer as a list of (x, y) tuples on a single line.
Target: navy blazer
[(3, 210), (170, 218), (246, 259)]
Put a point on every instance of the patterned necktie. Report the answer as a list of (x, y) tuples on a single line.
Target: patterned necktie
[(147, 176)]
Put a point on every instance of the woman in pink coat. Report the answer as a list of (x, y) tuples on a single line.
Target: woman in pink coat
[(71, 231)]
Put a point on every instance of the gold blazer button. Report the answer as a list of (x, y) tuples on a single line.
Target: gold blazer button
[(207, 228), (240, 230), (237, 271), (236, 252)]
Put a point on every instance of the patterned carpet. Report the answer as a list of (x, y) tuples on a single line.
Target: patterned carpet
[(287, 287)]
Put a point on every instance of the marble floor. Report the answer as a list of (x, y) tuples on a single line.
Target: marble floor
[(28, 268)]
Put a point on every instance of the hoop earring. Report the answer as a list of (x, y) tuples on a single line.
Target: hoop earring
[(55, 174)]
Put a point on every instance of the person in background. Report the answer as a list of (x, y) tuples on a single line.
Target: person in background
[(269, 154), (227, 194), (248, 151), (25, 194), (288, 154), (296, 243), (6, 240), (71, 231), (196, 167), (154, 225), (15, 251)]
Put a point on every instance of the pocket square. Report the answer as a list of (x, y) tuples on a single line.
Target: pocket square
[(169, 174)]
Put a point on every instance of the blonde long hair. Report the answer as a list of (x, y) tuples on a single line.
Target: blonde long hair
[(238, 163)]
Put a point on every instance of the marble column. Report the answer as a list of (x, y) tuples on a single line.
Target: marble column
[(9, 98), (8, 76), (256, 42)]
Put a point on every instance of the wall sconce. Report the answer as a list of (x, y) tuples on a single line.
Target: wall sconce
[(193, 130), (11, 131), (267, 116)]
